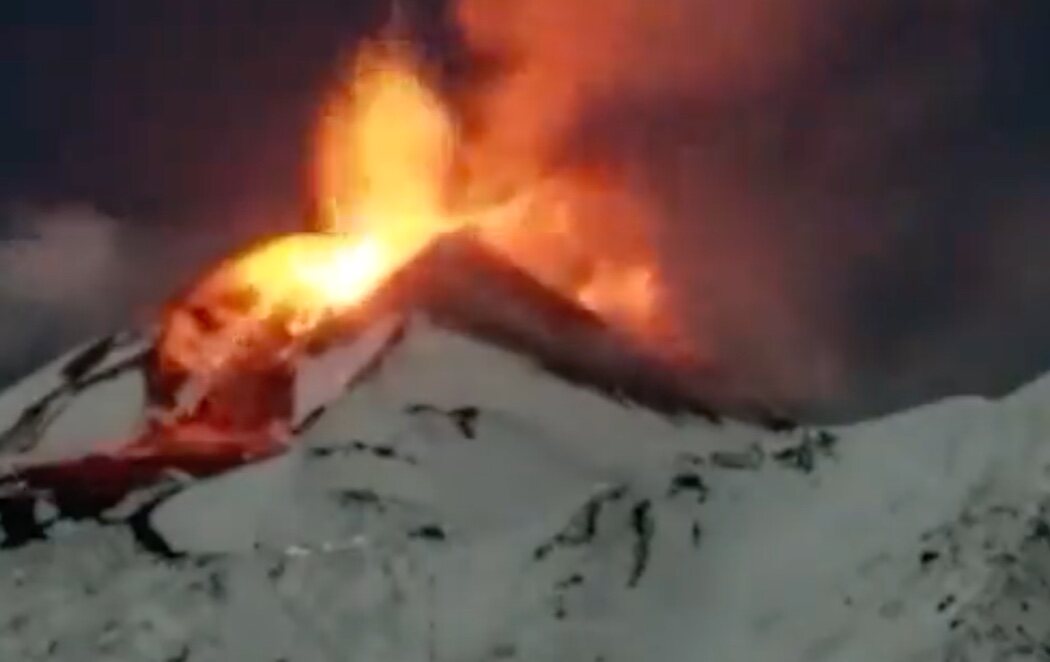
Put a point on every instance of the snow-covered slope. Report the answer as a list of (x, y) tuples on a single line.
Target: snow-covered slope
[(463, 502), (93, 396)]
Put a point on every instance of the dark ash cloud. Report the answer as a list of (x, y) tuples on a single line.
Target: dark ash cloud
[(846, 192)]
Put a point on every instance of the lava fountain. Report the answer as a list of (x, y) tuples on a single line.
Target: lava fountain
[(386, 144)]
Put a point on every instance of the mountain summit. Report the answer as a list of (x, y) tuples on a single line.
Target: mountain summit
[(460, 285)]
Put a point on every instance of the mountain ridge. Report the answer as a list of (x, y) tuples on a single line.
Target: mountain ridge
[(504, 513)]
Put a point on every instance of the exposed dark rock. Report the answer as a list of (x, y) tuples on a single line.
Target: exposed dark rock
[(584, 525), (310, 420), (86, 487), (18, 622), (928, 557), (464, 418), (945, 603), (644, 526), (570, 581), (464, 286), (689, 483), (379, 359), (824, 441), (359, 498), (803, 457), (19, 522), (136, 362), (24, 433), (27, 429), (148, 538), (81, 364), (696, 534), (1040, 531), (778, 423), (746, 460), (430, 532), (799, 458), (375, 450), (277, 570), (182, 656), (216, 586)]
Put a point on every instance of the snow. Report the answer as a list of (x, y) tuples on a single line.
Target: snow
[(58, 412), (320, 379), (106, 416), (228, 513), (38, 385), (461, 504)]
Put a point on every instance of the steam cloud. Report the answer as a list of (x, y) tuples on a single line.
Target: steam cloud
[(59, 281), (818, 174), (69, 273)]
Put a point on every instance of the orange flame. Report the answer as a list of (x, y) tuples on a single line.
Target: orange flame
[(384, 154), (385, 150)]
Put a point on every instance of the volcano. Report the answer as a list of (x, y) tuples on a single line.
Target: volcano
[(478, 469), (61, 443), (459, 284)]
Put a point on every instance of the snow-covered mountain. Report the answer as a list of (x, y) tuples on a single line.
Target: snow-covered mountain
[(480, 474)]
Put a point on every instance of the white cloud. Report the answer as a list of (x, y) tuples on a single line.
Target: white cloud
[(67, 257), (61, 281)]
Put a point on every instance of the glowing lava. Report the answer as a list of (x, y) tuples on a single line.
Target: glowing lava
[(385, 150)]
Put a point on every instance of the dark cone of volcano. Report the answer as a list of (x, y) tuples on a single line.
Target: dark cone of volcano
[(466, 287), (460, 284)]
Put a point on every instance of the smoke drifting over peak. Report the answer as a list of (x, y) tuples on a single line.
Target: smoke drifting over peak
[(567, 58), (818, 176), (655, 90)]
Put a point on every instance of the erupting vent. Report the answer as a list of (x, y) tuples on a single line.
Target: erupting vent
[(396, 237), (387, 144)]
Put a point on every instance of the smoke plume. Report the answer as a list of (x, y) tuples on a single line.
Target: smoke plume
[(797, 161)]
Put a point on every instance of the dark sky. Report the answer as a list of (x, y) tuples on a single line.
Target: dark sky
[(886, 198)]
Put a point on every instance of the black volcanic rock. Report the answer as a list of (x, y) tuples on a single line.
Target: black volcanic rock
[(464, 286)]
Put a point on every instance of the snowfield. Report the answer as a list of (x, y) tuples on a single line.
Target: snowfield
[(460, 503)]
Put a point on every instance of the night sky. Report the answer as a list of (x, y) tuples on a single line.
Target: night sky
[(855, 194)]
